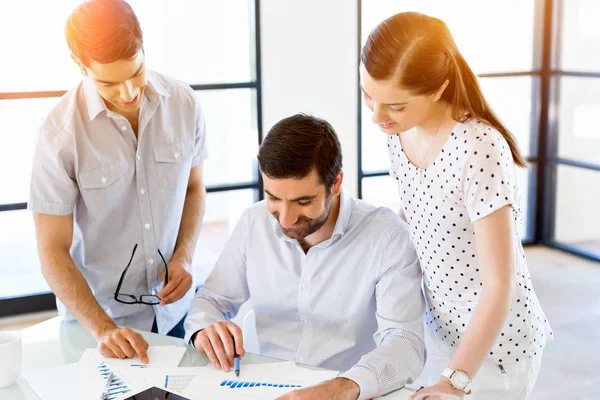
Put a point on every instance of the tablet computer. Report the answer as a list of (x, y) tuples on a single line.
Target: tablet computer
[(155, 393)]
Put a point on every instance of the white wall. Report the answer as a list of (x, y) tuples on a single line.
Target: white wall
[(309, 64)]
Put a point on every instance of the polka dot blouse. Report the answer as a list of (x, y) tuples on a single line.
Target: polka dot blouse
[(473, 176)]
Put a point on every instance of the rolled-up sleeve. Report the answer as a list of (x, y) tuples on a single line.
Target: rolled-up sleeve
[(226, 289), (53, 188), (400, 354)]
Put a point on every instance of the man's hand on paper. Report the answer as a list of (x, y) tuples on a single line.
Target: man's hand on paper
[(220, 342), (335, 389), (122, 343), (180, 281)]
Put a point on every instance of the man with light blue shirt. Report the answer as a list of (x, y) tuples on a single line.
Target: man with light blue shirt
[(117, 190), (334, 282)]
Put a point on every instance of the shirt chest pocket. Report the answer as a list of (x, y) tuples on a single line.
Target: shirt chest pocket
[(103, 186), (173, 164)]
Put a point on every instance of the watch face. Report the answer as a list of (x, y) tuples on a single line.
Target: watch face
[(460, 380)]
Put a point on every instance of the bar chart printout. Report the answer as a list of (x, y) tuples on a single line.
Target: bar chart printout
[(235, 384)]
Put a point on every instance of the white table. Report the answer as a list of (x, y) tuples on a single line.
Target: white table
[(53, 343)]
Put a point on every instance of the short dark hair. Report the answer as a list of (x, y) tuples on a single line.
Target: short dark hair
[(103, 31), (296, 145)]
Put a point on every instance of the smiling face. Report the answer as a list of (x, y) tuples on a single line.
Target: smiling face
[(121, 83), (301, 206), (394, 109)]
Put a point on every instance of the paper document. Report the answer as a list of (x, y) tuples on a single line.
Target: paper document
[(256, 381), (158, 356), (175, 380), (76, 381)]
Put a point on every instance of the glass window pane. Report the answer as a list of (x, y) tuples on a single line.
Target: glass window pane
[(381, 191), (21, 121), (510, 98), (481, 32), (20, 272), (576, 216), (232, 142), (580, 32), (578, 129), (35, 52), (374, 144), (199, 41), (223, 210)]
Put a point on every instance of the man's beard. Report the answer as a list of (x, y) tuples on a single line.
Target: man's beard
[(309, 226)]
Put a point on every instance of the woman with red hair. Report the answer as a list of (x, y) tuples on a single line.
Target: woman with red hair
[(455, 166)]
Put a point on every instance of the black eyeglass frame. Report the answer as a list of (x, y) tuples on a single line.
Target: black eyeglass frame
[(139, 299)]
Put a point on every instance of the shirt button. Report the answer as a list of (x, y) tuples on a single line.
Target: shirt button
[(300, 358), (147, 226), (176, 155), (151, 261), (142, 191), (103, 179), (123, 128), (138, 157)]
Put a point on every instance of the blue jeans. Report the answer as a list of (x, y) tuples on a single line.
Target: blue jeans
[(178, 331)]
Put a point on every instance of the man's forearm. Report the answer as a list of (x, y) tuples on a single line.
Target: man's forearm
[(71, 288), (191, 222), (379, 372), (344, 389)]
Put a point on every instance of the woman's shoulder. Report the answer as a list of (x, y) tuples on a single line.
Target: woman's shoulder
[(478, 132)]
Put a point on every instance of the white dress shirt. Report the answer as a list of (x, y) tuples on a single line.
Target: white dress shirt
[(352, 303)]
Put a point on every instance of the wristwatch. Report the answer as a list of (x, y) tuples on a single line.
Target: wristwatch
[(459, 380)]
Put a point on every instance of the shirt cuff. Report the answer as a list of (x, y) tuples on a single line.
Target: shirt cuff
[(191, 340), (190, 332), (365, 379)]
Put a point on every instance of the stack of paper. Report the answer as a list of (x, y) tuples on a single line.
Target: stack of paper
[(87, 378)]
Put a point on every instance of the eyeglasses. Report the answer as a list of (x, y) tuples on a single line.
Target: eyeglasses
[(149, 299)]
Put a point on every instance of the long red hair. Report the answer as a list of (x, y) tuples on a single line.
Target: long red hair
[(418, 52)]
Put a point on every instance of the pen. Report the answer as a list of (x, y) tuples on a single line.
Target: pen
[(104, 394), (236, 364)]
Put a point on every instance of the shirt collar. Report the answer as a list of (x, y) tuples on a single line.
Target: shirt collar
[(343, 220), (95, 103), (155, 86), (341, 225)]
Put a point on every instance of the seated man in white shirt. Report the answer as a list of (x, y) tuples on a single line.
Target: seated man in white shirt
[(335, 282)]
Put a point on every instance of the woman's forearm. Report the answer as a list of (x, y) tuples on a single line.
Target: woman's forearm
[(483, 330)]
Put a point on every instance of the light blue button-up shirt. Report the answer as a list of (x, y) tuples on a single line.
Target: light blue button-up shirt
[(121, 190), (352, 303)]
